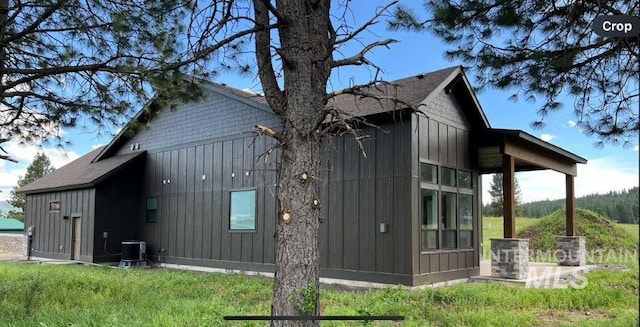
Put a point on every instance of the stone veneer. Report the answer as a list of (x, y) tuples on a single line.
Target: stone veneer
[(510, 258), (572, 251)]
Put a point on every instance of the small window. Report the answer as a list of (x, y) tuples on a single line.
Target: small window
[(429, 220), (448, 177), (54, 206), (243, 210), (152, 211), (428, 173), (464, 179)]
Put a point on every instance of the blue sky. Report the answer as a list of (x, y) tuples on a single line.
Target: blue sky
[(609, 168)]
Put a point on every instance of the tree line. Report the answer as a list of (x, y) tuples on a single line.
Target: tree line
[(621, 206)]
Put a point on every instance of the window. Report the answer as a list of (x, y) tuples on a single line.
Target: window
[(428, 173), (54, 206), (446, 208), (449, 220), (448, 177), (429, 220), (464, 179), (466, 221), (243, 210), (152, 211)]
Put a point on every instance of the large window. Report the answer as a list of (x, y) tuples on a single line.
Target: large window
[(447, 208), (429, 220), (449, 219), (243, 210), (466, 221), (152, 211)]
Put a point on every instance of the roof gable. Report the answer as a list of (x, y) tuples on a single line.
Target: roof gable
[(413, 91)]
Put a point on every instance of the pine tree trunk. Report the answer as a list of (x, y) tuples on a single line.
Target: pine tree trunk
[(306, 53), (297, 270)]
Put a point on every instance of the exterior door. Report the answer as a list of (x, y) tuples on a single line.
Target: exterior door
[(76, 240)]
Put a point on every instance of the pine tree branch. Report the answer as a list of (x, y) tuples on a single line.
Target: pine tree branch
[(275, 97), (359, 58)]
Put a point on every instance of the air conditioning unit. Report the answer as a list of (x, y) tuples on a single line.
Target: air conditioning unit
[(134, 254)]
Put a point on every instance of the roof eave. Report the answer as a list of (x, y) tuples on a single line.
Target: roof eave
[(548, 146), (92, 183)]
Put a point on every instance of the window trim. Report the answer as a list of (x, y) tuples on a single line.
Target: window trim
[(255, 209)]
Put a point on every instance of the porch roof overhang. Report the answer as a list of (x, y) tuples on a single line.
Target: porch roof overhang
[(529, 153)]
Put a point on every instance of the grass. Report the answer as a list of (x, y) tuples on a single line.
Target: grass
[(493, 228), (60, 295), (632, 229)]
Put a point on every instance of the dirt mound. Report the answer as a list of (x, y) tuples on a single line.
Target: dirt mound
[(601, 233)]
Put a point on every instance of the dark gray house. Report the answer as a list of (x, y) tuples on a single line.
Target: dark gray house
[(199, 188)]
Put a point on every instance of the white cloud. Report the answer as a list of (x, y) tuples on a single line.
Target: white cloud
[(10, 172), (599, 175), (95, 146), (636, 148), (571, 123), (547, 137)]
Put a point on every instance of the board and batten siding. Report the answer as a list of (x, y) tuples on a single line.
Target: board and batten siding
[(359, 194), (193, 185), (442, 137), (52, 234)]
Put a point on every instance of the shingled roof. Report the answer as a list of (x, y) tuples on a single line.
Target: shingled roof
[(381, 97), (385, 96), (391, 96), (80, 173)]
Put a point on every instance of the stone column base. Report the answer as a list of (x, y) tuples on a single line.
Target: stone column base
[(510, 258), (572, 251)]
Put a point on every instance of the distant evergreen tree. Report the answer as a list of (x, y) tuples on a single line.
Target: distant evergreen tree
[(38, 168), (497, 197)]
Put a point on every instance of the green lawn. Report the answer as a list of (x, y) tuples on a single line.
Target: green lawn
[(58, 295), (632, 229), (62, 295), (493, 228)]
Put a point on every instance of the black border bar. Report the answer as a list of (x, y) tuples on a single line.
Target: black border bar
[(307, 318)]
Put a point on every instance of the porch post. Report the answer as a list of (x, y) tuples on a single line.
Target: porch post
[(508, 194), (572, 249), (570, 206)]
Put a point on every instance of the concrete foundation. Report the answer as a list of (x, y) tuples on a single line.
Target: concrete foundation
[(572, 251), (509, 258)]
